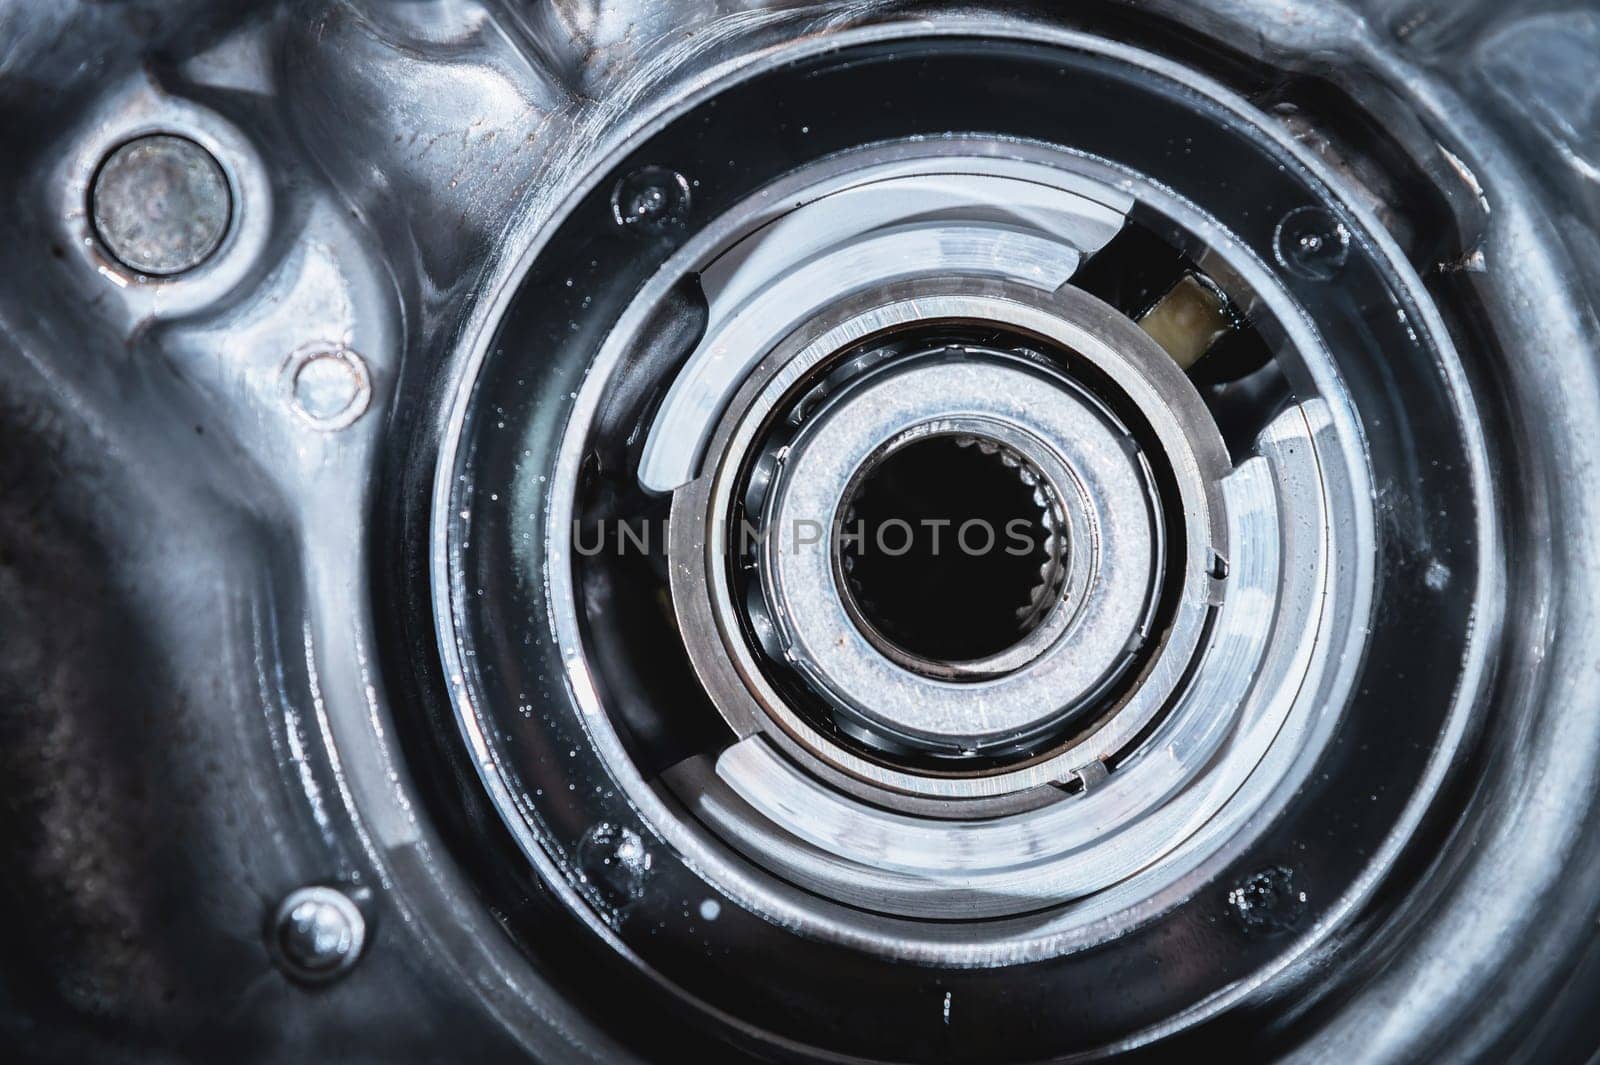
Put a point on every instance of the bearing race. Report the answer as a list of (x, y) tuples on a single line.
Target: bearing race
[(1083, 643), (1093, 336)]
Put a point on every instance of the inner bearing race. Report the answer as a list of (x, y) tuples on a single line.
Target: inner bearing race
[(951, 549), (1112, 566)]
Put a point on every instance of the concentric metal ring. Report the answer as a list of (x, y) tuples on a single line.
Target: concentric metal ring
[(1068, 319), (1152, 803), (854, 881), (1056, 588), (862, 223), (1080, 645)]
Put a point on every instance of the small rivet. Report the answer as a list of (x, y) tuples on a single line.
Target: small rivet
[(328, 385), (318, 934), (160, 204), (1311, 242), (650, 199)]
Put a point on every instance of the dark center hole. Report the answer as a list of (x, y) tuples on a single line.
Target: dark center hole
[(944, 542)]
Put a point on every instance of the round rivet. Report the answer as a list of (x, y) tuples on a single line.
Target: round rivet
[(650, 199), (318, 933), (1312, 243)]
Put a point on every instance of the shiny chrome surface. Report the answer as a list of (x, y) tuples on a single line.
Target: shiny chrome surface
[(229, 462)]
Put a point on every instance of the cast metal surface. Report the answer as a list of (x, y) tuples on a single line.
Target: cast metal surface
[(322, 331)]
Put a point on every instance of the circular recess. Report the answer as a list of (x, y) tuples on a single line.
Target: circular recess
[(161, 204), (650, 199), (1312, 243), (683, 679)]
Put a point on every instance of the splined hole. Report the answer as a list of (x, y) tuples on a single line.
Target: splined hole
[(949, 548)]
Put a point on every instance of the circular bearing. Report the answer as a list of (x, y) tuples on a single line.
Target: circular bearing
[(1121, 538)]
